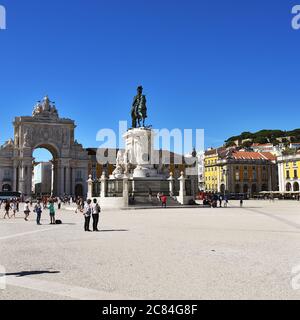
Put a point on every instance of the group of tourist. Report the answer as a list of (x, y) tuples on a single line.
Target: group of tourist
[(212, 200), (90, 209), (13, 206), (10, 205)]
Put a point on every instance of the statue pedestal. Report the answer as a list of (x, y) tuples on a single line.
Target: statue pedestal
[(139, 146)]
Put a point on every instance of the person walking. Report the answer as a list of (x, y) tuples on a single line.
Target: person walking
[(38, 211), (26, 210), (220, 201), (59, 203), (163, 201), (51, 211), (7, 207), (87, 211), (150, 195), (225, 202), (78, 206), (241, 202), (95, 214), (14, 208)]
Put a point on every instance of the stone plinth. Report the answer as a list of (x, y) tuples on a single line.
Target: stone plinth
[(139, 147)]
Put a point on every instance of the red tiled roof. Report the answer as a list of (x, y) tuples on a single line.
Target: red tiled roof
[(215, 151), (247, 155)]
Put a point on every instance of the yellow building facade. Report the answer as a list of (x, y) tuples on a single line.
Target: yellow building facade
[(232, 171), (289, 173), (212, 170)]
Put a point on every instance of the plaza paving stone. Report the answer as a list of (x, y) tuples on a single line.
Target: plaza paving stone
[(196, 253)]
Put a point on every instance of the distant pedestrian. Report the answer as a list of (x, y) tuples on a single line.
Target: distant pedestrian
[(7, 207), (158, 196), (14, 209), (225, 202), (59, 203), (78, 206), (95, 214), (241, 202), (87, 211), (38, 211), (150, 195), (220, 201), (51, 211), (26, 210), (163, 201)]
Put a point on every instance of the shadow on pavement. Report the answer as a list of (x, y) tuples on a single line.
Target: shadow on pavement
[(116, 230), (30, 273)]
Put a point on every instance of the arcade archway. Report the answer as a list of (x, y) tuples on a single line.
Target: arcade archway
[(43, 173), (45, 129)]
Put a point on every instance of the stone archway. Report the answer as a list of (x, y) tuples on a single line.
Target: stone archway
[(296, 186), (237, 188), (45, 169), (45, 129), (245, 188), (288, 187)]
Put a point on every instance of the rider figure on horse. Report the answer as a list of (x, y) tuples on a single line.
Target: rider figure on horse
[(139, 108)]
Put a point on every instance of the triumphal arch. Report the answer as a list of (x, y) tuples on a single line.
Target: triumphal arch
[(44, 129)]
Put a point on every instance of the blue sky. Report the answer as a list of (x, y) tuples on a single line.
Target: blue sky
[(225, 66)]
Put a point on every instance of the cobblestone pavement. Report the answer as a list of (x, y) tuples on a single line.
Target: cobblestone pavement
[(223, 253)]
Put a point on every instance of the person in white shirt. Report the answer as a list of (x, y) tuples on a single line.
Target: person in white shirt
[(26, 210), (14, 209), (95, 213), (87, 211)]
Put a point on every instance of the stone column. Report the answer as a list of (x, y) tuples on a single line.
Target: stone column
[(182, 190), (52, 179), (68, 181), (21, 180), (103, 181), (171, 184), (182, 198), (281, 177), (29, 180), (90, 187), (60, 189), (73, 180), (125, 190), (14, 177)]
